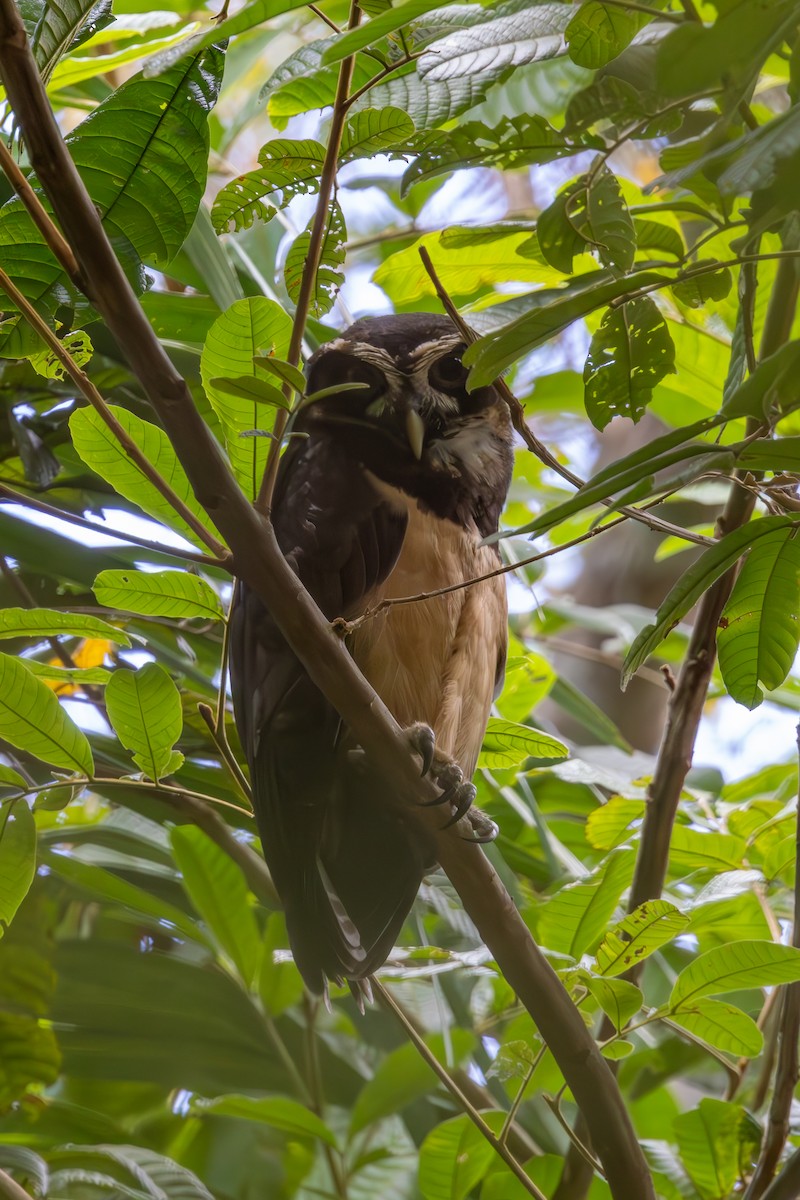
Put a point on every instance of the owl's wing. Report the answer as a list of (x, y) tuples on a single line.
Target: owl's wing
[(346, 868)]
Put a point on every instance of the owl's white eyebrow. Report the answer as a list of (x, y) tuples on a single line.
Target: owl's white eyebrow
[(431, 352)]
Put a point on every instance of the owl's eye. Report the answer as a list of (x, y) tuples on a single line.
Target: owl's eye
[(448, 374), (337, 369)]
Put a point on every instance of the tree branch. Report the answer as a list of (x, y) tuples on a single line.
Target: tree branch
[(258, 560)]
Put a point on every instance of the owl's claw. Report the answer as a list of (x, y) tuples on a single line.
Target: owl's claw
[(483, 828), (423, 741), (463, 800)]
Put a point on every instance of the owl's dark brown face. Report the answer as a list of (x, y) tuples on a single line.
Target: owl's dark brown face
[(411, 421)]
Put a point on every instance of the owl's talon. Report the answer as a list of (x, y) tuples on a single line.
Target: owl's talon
[(483, 828), (423, 741), (463, 800)]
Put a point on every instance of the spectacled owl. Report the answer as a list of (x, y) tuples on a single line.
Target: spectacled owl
[(388, 489)]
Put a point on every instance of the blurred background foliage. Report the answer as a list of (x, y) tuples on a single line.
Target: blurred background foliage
[(608, 192)]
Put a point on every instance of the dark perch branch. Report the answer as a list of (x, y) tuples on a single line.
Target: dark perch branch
[(259, 562), (786, 1072)]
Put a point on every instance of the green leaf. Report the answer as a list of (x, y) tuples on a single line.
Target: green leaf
[(90, 877), (694, 582), (513, 143), (144, 708), (573, 920), (490, 355), (773, 385), (29, 1055), (248, 328), (329, 277), (284, 371), (609, 824), (75, 676), (402, 1077), (507, 744), (155, 132), (650, 926), (374, 131), (744, 964), (708, 1140), (452, 1160), (32, 719), (601, 216), (9, 778), (587, 713), (759, 629), (723, 1026), (692, 849), (154, 1174), (159, 593), (559, 238), (57, 28), (695, 292), (252, 390), (507, 36), (100, 450), (52, 622), (766, 454), (370, 32), (629, 354), (618, 999), (17, 857), (217, 889), (279, 1112), (597, 33), (616, 1050), (286, 169), (248, 16)]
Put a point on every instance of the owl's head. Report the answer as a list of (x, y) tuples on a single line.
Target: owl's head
[(411, 421)]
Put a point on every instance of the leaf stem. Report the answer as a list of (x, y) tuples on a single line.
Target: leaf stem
[(41, 219)]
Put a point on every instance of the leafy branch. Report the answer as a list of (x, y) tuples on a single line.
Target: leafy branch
[(258, 560)]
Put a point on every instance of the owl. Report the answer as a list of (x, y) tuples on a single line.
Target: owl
[(387, 489)]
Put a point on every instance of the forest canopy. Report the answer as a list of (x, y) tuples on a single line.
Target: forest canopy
[(605, 196)]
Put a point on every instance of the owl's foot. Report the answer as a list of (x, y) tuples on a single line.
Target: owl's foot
[(444, 771), (483, 828)]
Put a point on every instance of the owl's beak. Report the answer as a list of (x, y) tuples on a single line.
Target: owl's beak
[(415, 432)]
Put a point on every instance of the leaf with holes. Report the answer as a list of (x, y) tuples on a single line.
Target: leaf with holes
[(598, 212), (286, 169), (32, 719), (691, 585), (248, 328), (629, 354), (513, 143), (375, 131), (17, 857), (329, 277), (102, 452), (173, 594), (695, 292), (759, 629), (144, 708), (648, 927)]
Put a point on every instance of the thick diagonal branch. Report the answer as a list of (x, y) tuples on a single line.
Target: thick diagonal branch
[(259, 562)]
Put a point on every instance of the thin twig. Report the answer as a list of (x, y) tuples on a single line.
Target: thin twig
[(787, 1070), (87, 388), (207, 715), (60, 514), (327, 181), (10, 1189), (379, 78), (41, 219), (444, 1076)]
